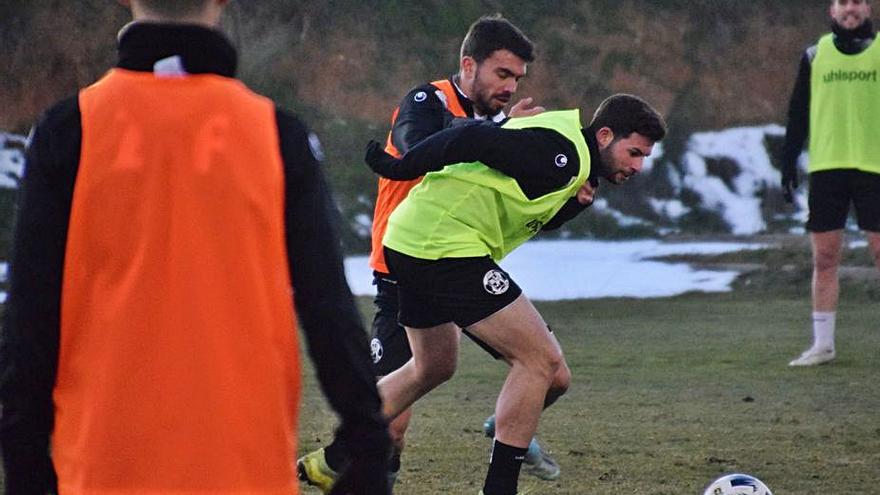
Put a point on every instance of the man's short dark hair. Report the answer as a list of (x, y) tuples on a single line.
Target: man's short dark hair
[(625, 114), (491, 33), (174, 7)]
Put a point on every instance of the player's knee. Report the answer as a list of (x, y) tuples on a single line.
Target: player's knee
[(561, 380), (445, 371), (548, 363), (826, 259), (559, 385), (436, 372)]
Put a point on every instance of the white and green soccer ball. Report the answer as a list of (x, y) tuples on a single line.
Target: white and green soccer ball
[(737, 484)]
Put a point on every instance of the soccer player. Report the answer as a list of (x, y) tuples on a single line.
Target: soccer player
[(836, 102), (493, 58), (491, 188), (172, 227)]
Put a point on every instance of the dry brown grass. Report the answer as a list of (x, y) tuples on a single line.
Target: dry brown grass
[(739, 62)]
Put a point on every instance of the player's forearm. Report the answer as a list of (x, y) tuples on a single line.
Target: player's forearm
[(333, 327), (432, 154)]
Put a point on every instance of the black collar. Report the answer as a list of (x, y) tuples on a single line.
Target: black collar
[(202, 50), (466, 104), (595, 157), (853, 41)]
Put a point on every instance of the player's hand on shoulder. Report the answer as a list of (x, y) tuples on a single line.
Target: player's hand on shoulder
[(524, 108), (587, 193)]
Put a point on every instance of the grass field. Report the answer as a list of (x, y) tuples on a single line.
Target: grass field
[(668, 394)]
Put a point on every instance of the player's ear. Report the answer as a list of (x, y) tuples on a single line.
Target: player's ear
[(468, 66), (604, 136)]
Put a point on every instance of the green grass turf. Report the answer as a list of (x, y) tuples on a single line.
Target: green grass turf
[(667, 394)]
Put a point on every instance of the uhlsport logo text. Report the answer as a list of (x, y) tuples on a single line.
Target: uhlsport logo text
[(850, 76)]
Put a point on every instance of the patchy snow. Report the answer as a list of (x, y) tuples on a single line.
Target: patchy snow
[(601, 205), (738, 201), (656, 155), (727, 174), (730, 171), (671, 208), (362, 224), (575, 269), (858, 244), (11, 159)]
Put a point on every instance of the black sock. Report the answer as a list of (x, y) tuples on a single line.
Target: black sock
[(504, 466), (336, 455)]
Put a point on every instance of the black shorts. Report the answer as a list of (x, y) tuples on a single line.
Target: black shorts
[(463, 291), (832, 192), (388, 344)]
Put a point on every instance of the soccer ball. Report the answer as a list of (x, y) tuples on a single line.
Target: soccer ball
[(737, 484)]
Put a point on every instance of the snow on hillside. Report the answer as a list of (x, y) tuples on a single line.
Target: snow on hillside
[(11, 159), (720, 182), (576, 269), (588, 269), (738, 199), (728, 171)]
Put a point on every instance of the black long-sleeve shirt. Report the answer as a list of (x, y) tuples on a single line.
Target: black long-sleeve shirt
[(30, 339), (798, 128), (530, 156)]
